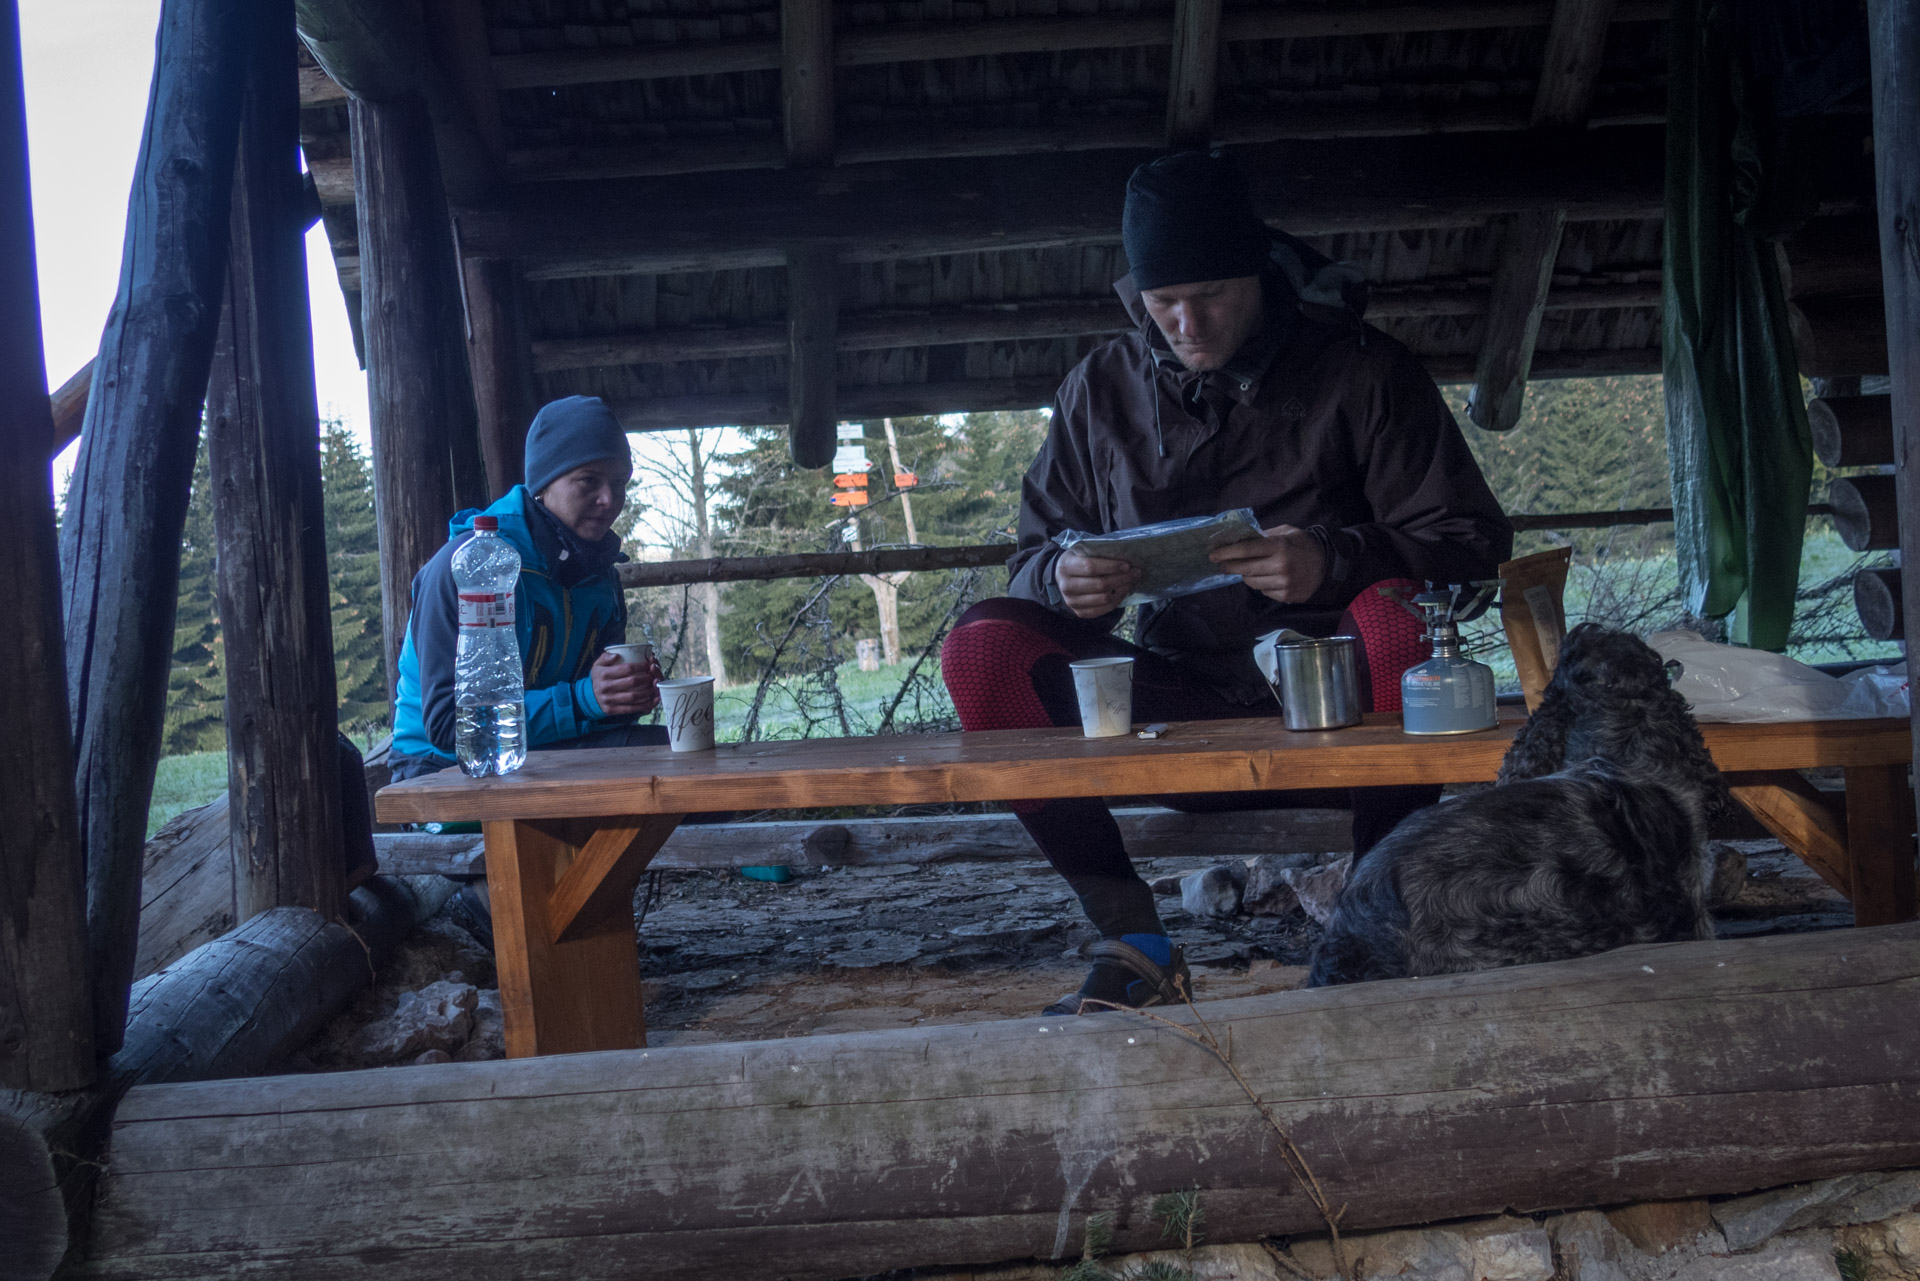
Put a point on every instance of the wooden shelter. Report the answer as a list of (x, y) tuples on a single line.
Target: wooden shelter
[(734, 211)]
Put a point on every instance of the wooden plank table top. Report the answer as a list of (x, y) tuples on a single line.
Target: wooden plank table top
[(1005, 765)]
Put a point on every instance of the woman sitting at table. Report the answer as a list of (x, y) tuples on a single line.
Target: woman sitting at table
[(568, 606)]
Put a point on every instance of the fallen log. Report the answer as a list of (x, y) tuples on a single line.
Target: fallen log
[(1648, 1073), (234, 1006)]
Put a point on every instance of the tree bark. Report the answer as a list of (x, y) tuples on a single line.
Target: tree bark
[(416, 398), (127, 504), (283, 777), (823, 1157), (46, 1019), (708, 593)]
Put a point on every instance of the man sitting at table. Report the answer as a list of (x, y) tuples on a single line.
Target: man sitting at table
[(1251, 381), (568, 606)]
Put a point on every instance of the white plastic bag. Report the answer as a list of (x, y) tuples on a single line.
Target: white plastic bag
[(1731, 683)]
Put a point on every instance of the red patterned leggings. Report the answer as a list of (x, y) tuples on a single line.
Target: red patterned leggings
[(1006, 666)]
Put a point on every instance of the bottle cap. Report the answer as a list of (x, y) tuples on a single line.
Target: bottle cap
[(486, 522)]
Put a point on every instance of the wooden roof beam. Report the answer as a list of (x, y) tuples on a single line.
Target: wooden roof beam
[(380, 52), (806, 81), (1035, 319), (813, 308), (979, 395), (1194, 74), (1576, 43), (703, 222)]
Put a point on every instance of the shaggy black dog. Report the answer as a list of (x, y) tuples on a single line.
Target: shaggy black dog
[(1593, 838)]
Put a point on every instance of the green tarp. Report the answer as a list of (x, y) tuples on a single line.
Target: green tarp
[(1737, 441)]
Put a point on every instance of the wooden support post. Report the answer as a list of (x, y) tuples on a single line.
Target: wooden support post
[(1880, 809), (1576, 40), (582, 994), (1895, 36), (263, 427), (127, 505), (1194, 72), (500, 356), (806, 80), (46, 1020), (1519, 299), (69, 404), (813, 311), (410, 307)]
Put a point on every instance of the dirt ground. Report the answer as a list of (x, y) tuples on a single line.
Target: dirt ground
[(725, 958)]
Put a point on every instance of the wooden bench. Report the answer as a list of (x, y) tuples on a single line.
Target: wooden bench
[(569, 836)]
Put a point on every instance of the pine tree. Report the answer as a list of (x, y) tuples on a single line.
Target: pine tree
[(353, 571), (197, 683)]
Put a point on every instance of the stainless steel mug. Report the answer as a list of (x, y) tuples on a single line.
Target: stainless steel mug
[(1318, 685)]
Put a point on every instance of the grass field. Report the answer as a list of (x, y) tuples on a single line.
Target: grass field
[(184, 782)]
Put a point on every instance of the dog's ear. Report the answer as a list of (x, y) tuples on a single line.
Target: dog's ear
[(1674, 732), (1540, 748)]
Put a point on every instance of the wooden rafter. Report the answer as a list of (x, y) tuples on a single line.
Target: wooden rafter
[(806, 81), (1576, 39), (1194, 73), (813, 309)]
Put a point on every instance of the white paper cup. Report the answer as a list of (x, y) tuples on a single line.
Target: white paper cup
[(686, 705), (1105, 687), (640, 653)]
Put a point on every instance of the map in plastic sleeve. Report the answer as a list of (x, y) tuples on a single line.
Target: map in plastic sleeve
[(1172, 555)]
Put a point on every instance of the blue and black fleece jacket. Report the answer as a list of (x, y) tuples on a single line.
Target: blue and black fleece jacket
[(567, 608)]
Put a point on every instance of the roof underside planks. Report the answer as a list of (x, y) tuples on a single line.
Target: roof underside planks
[(645, 197)]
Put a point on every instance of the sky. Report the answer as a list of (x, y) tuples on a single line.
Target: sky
[(88, 64)]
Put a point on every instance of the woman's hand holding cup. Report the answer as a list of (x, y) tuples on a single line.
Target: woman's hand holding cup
[(625, 680)]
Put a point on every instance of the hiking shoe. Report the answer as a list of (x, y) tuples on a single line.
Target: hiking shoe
[(1124, 975)]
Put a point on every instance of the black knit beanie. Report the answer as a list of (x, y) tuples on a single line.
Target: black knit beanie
[(572, 432), (1190, 217)]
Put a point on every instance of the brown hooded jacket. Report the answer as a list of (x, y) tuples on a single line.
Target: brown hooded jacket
[(1321, 421)]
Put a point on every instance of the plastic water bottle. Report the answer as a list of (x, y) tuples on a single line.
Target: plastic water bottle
[(489, 687)]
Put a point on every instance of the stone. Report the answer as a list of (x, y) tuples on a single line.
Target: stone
[(1729, 874), (1830, 1203), (1802, 1257), (1889, 1250), (437, 1017), (1656, 1227), (1318, 888), (1589, 1248), (428, 1058), (1245, 1262), (863, 949), (1165, 886), (1214, 891), (489, 1037), (1268, 893), (1502, 1249)]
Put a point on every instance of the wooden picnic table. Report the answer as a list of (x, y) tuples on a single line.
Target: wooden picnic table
[(570, 834)]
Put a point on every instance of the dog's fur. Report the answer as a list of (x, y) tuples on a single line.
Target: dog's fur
[(1593, 838)]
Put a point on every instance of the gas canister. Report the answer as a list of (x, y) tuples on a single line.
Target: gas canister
[(1449, 693)]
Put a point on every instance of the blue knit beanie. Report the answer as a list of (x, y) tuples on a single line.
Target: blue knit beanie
[(569, 433)]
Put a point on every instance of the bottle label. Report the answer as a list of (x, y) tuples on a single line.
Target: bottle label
[(486, 609)]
